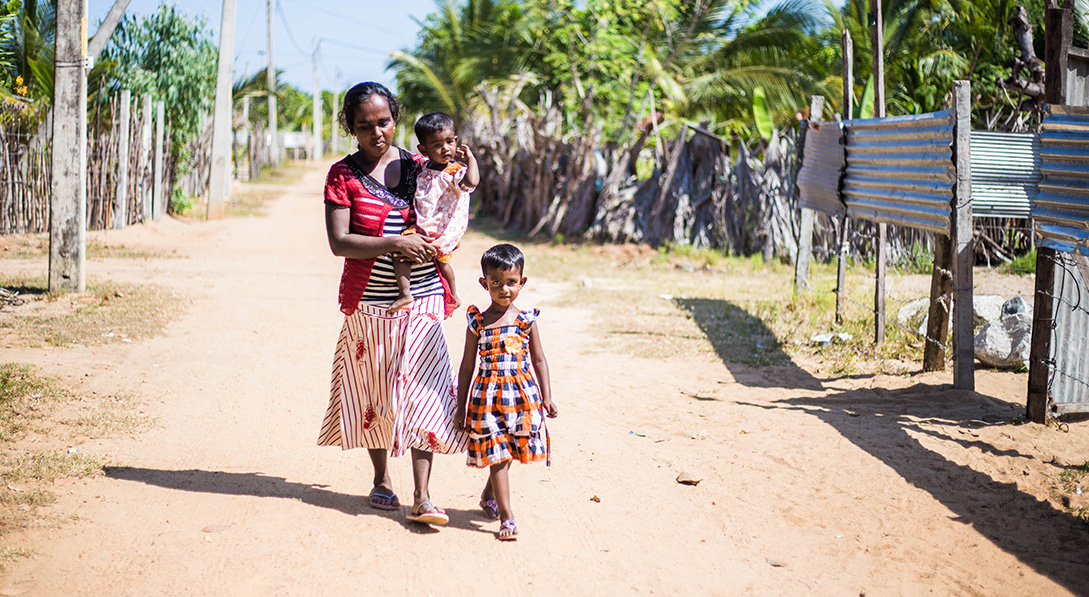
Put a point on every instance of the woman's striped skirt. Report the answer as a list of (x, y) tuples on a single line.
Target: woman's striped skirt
[(393, 383)]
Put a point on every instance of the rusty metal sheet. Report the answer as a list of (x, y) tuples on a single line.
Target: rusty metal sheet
[(1005, 173), (900, 170), (1061, 209), (822, 167)]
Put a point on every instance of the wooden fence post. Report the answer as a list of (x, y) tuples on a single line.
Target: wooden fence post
[(158, 202), (1058, 36), (882, 248), (805, 234), (146, 139), (963, 245), (848, 111), (121, 194), (68, 188)]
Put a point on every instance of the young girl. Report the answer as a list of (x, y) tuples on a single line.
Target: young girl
[(505, 410), (442, 200)]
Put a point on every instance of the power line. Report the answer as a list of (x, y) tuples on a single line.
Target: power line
[(369, 25), (354, 46), (247, 35), (283, 19)]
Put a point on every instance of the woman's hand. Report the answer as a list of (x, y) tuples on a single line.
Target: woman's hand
[(416, 248), (459, 419)]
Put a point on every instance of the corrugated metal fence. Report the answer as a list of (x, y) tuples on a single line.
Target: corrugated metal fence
[(1062, 206), (900, 170), (822, 167), (1005, 173)]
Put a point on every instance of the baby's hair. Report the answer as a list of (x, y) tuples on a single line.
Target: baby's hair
[(502, 258), (433, 123), (360, 93)]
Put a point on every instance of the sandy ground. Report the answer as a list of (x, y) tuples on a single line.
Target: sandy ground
[(886, 485)]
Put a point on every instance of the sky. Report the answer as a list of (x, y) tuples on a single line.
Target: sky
[(356, 36)]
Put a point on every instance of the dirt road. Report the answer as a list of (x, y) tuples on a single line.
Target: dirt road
[(870, 485)]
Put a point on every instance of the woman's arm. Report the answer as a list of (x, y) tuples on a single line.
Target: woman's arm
[(465, 376), (540, 369), (345, 243)]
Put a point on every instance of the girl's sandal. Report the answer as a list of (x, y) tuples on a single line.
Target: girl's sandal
[(508, 530), (490, 508)]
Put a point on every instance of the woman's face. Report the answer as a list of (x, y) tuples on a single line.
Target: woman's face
[(373, 125)]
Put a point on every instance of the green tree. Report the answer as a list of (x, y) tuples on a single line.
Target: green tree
[(170, 56), (8, 14)]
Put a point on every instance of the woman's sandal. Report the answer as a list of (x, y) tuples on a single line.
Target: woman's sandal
[(490, 508), (508, 530), (382, 501), (427, 513)]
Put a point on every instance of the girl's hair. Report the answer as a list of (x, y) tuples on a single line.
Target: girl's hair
[(360, 93), (502, 258), (433, 123)]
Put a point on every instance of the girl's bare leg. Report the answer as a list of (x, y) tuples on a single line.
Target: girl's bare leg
[(500, 485)]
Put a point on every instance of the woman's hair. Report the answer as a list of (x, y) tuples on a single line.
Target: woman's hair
[(433, 123), (502, 258), (361, 93)]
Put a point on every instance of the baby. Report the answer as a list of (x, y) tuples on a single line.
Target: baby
[(442, 199)]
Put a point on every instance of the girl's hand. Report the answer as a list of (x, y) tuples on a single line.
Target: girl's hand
[(464, 154), (550, 408), (459, 420), (416, 248)]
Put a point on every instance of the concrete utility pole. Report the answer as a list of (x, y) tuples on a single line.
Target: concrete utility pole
[(219, 187), (274, 134), (68, 188), (316, 154)]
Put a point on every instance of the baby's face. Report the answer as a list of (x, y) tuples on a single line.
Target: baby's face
[(440, 147)]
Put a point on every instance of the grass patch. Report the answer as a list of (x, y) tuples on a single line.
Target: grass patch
[(22, 395), (52, 465), (679, 300), (109, 416), (107, 312), (11, 554), (1023, 266), (1072, 481)]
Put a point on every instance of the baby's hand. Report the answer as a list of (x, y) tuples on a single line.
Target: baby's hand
[(464, 154), (550, 409)]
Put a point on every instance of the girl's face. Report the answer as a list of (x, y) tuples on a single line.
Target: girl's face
[(440, 147), (373, 126), (503, 285)]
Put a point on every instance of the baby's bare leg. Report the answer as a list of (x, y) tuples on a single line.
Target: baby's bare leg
[(447, 271), (403, 271)]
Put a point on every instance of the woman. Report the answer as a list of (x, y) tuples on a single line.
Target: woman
[(393, 387)]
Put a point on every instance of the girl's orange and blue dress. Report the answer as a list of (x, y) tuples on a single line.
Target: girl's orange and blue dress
[(506, 420)]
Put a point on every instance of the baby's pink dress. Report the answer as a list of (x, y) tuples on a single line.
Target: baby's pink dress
[(442, 207)]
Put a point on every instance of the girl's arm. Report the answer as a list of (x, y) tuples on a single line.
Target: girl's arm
[(472, 174), (465, 377), (540, 369), (345, 243)]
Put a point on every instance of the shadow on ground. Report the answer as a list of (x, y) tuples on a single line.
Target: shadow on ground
[(892, 425), (260, 485), (747, 347)]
